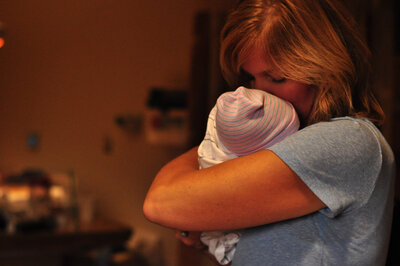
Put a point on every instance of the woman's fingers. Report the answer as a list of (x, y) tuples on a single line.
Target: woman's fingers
[(191, 239)]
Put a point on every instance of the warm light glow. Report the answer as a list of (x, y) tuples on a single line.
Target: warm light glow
[(2, 42)]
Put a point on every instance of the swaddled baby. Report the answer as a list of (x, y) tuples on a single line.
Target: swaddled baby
[(242, 122)]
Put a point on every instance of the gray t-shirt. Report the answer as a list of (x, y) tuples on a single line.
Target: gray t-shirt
[(348, 164)]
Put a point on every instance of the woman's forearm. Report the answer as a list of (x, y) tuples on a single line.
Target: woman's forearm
[(247, 191)]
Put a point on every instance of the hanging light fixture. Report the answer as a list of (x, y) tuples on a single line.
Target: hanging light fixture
[(2, 31)]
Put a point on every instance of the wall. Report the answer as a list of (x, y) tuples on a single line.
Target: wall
[(68, 67)]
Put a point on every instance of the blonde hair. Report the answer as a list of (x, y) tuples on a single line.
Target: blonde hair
[(310, 41)]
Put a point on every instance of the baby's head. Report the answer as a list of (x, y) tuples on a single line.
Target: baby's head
[(249, 120)]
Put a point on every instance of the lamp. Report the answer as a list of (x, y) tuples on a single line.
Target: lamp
[(2, 33)]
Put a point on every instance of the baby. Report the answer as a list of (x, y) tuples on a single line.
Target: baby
[(242, 122)]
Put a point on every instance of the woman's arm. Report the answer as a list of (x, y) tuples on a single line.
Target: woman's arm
[(247, 191)]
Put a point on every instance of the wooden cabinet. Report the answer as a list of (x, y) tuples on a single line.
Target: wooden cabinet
[(53, 247)]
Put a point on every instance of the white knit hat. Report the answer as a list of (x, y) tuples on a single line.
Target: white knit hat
[(249, 120)]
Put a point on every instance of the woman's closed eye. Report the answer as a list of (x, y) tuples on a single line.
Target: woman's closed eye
[(273, 78), (264, 77), (281, 80)]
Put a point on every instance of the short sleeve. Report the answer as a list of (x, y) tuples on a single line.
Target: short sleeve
[(339, 161)]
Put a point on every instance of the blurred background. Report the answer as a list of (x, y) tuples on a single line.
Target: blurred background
[(103, 93)]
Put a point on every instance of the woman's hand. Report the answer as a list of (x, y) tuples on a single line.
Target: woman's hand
[(190, 238)]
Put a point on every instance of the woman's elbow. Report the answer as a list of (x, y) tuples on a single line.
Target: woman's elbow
[(157, 210), (154, 209), (148, 209)]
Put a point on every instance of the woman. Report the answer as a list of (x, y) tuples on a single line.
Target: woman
[(322, 196)]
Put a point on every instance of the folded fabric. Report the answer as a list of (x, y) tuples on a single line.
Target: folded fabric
[(221, 244)]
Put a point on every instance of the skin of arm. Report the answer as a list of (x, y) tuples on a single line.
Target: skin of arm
[(247, 191)]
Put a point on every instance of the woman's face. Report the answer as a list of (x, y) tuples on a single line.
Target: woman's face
[(264, 77)]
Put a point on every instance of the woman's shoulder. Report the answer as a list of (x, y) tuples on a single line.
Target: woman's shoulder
[(345, 153), (346, 123), (345, 147), (350, 133), (338, 134), (345, 130)]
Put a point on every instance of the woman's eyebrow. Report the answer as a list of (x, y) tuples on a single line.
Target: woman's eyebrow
[(268, 72), (272, 73)]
